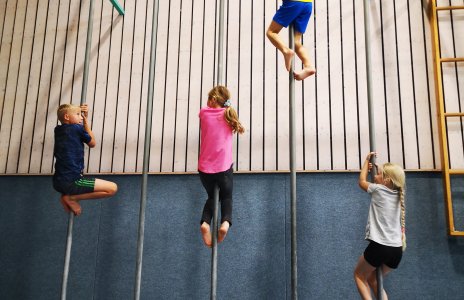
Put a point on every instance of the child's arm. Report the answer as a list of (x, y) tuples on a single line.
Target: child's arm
[(363, 183), (85, 112)]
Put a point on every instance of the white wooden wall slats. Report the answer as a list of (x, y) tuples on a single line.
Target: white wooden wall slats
[(42, 54)]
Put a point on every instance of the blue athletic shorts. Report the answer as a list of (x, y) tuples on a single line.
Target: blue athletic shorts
[(294, 12), (83, 185), (377, 255)]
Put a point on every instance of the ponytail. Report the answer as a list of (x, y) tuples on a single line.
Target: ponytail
[(222, 96), (403, 218), (232, 119)]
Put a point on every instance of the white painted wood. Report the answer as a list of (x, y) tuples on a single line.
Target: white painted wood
[(244, 92), (336, 87), (406, 87), (159, 101), (44, 107), (197, 97), (5, 48), (171, 82), (102, 61), (349, 84), (33, 87), (21, 90), (125, 69), (112, 101), (10, 104), (308, 95), (322, 79), (138, 20), (182, 88), (255, 74)]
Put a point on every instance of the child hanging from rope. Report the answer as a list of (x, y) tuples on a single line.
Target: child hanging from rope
[(297, 13), (385, 228), (70, 137), (218, 121)]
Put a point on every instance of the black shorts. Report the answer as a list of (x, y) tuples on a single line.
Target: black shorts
[(83, 185), (377, 255)]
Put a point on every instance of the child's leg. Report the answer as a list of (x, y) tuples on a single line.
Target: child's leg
[(226, 183), (372, 280), (300, 50), (273, 35), (101, 189), (206, 234), (362, 272)]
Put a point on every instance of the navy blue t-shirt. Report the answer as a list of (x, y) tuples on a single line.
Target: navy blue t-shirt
[(69, 152)]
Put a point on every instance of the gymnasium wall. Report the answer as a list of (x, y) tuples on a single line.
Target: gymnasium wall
[(42, 54), (254, 259)]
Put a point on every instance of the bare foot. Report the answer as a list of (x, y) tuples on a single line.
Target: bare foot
[(65, 206), (206, 234), (306, 72), (288, 56), (73, 205), (223, 231)]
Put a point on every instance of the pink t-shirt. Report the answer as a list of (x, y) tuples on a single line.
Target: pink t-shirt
[(216, 141)]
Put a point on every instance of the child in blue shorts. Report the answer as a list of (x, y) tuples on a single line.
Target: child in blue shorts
[(297, 13), (70, 137)]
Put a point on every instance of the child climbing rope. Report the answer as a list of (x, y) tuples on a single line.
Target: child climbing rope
[(385, 228), (218, 121), (297, 13)]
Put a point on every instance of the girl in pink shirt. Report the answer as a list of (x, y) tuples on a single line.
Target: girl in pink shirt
[(218, 121)]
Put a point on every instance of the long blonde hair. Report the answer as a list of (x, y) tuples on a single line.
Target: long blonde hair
[(222, 95), (396, 174)]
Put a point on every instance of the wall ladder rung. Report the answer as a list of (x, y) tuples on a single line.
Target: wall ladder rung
[(451, 59), (456, 171), (457, 233), (454, 7), (454, 114)]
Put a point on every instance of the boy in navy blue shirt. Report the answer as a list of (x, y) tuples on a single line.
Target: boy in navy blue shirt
[(68, 179)]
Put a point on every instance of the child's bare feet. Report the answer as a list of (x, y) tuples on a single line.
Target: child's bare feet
[(223, 231), (288, 56), (304, 73), (206, 234), (72, 205), (65, 206)]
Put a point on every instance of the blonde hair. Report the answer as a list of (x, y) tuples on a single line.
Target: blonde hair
[(221, 94), (63, 109), (396, 174)]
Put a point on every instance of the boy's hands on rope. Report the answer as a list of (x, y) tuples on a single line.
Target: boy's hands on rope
[(85, 111)]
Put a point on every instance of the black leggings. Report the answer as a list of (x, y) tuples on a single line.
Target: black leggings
[(225, 182)]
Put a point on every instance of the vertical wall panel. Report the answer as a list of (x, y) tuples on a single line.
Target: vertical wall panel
[(244, 84), (195, 90), (182, 87), (121, 125), (323, 90), (9, 102), (21, 89), (309, 99), (256, 95), (270, 88), (44, 107), (42, 56), (112, 89)]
